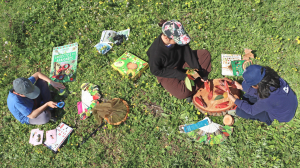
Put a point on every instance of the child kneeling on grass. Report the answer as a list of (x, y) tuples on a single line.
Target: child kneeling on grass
[(30, 98), (267, 96)]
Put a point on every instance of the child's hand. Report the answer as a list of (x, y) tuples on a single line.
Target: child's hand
[(238, 86), (231, 97), (52, 104), (57, 85)]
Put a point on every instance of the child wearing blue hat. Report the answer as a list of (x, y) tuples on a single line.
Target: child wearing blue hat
[(267, 96)]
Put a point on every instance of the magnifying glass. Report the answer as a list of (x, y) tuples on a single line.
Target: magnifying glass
[(60, 104)]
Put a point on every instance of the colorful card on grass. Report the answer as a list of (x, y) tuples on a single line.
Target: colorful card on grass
[(131, 65), (51, 136), (36, 137), (64, 63), (103, 48)]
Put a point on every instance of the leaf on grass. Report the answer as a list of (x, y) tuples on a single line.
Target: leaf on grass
[(219, 97), (184, 115), (248, 54), (247, 50), (188, 83), (203, 139), (165, 115)]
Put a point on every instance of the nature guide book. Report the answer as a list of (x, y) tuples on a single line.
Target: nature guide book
[(64, 63), (131, 65), (107, 36), (239, 66), (62, 133), (226, 59)]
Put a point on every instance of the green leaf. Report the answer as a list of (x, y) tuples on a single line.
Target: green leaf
[(165, 115), (219, 97), (192, 82), (188, 83), (187, 68)]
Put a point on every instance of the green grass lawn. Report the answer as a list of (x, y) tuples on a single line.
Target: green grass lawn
[(149, 137)]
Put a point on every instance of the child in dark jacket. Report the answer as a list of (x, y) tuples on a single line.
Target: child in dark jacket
[(170, 53), (267, 96)]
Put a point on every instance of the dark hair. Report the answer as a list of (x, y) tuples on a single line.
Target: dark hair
[(271, 79), (161, 22)]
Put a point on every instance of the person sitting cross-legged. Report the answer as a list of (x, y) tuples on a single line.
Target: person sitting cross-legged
[(170, 54), (30, 99)]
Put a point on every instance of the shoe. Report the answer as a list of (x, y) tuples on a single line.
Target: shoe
[(53, 119), (189, 99)]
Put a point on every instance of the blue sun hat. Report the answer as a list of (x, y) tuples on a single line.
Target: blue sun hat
[(252, 76), (174, 30)]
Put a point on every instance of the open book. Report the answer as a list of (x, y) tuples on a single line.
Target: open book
[(232, 65), (108, 35), (226, 63), (62, 133)]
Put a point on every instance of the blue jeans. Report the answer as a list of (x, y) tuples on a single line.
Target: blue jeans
[(43, 98), (263, 116)]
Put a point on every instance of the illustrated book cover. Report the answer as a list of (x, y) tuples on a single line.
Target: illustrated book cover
[(64, 63), (131, 65)]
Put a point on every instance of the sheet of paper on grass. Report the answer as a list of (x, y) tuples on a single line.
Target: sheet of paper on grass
[(86, 98), (51, 136), (34, 137)]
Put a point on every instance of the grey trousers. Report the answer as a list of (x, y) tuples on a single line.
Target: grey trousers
[(43, 118), (43, 98)]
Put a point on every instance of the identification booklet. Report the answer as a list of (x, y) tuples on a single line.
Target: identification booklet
[(226, 63), (108, 35), (62, 133), (64, 63)]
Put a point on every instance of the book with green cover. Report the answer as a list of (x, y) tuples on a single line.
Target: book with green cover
[(239, 66), (131, 65), (64, 63)]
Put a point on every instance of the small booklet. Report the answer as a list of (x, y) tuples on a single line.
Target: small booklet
[(62, 133), (226, 63), (108, 35), (103, 48)]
